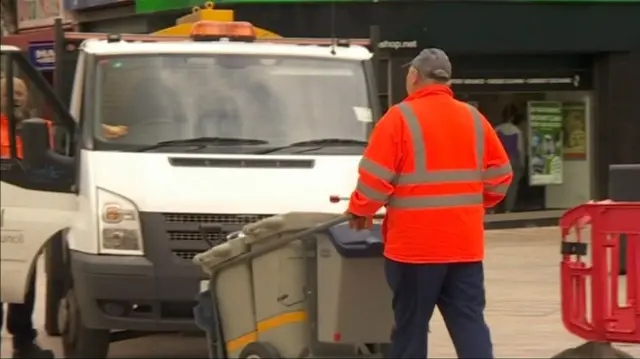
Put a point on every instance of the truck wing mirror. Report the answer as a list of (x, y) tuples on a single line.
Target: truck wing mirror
[(36, 147), (35, 142)]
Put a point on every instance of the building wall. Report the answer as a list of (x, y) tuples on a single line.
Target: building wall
[(617, 131), (462, 26), (128, 25)]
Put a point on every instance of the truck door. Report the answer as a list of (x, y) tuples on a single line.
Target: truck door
[(38, 197)]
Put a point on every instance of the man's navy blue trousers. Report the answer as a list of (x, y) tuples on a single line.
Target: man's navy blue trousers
[(457, 289)]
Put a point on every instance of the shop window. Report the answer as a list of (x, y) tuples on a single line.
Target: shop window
[(550, 157)]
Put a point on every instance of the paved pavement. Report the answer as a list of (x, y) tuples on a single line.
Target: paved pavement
[(523, 306)]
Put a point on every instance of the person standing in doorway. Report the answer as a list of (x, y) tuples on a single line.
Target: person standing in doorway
[(435, 163), (512, 139), (19, 316)]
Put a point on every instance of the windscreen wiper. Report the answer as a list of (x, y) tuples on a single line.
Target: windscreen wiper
[(318, 144), (202, 142)]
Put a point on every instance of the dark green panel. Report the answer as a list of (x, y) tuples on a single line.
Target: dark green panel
[(464, 27), (146, 6)]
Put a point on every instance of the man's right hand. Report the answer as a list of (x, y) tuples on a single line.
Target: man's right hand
[(359, 223)]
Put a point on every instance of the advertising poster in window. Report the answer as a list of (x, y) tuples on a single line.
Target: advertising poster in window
[(545, 142), (574, 120), (39, 13)]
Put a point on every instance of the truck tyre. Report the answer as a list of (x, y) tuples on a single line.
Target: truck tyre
[(55, 269), (258, 350), (78, 341), (54, 293)]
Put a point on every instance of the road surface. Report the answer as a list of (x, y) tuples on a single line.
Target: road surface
[(523, 308)]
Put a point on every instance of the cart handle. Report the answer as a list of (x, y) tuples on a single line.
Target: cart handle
[(282, 242)]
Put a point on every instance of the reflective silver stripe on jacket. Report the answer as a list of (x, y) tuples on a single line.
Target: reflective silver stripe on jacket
[(423, 176), (499, 189)]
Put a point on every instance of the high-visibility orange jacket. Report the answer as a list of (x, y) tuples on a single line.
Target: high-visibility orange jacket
[(436, 164), (5, 143)]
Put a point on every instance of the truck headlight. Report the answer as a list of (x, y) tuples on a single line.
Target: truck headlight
[(118, 225)]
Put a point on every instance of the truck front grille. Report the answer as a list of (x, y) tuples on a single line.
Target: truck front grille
[(186, 255), (199, 218), (196, 236), (183, 230)]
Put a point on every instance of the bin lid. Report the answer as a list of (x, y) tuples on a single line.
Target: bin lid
[(351, 243)]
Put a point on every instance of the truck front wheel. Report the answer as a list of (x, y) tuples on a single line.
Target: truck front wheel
[(78, 341), (52, 304), (56, 269)]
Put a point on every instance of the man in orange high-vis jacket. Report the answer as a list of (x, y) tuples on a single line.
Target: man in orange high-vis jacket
[(5, 143), (21, 112), (435, 163), (20, 316)]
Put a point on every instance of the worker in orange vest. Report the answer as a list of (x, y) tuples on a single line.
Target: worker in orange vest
[(436, 164), (21, 112), (20, 316)]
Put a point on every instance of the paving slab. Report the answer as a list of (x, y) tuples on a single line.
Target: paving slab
[(523, 306)]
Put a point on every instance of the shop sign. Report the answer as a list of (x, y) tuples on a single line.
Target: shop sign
[(42, 55), (145, 6), (75, 5), (545, 142), (164, 5), (39, 13), (571, 80), (397, 45)]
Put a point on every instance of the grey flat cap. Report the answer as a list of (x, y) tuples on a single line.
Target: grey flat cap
[(433, 63)]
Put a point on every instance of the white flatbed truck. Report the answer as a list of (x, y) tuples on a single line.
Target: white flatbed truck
[(220, 131)]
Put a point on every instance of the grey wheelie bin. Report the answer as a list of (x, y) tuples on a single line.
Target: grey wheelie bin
[(296, 285)]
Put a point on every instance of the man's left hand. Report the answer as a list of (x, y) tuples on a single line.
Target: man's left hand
[(359, 223)]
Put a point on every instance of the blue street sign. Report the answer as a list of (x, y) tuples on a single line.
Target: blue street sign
[(42, 55)]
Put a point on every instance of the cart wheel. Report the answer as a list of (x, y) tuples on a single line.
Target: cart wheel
[(258, 350)]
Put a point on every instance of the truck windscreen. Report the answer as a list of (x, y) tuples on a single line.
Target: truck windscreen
[(268, 101)]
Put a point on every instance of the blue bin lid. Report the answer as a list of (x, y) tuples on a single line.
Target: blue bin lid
[(351, 243)]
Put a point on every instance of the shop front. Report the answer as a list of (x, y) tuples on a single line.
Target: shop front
[(550, 98), (35, 21), (568, 88), (567, 74)]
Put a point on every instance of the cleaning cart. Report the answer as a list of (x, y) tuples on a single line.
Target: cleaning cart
[(296, 285)]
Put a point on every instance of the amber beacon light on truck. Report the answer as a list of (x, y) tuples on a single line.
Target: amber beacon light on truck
[(207, 30)]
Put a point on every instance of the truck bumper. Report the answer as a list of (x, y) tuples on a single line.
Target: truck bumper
[(127, 292), (157, 291)]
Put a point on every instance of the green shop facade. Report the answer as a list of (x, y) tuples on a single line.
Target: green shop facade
[(578, 62)]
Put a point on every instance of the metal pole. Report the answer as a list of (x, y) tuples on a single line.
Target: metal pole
[(58, 50), (374, 35)]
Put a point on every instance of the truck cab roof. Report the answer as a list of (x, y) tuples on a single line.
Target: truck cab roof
[(104, 47)]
